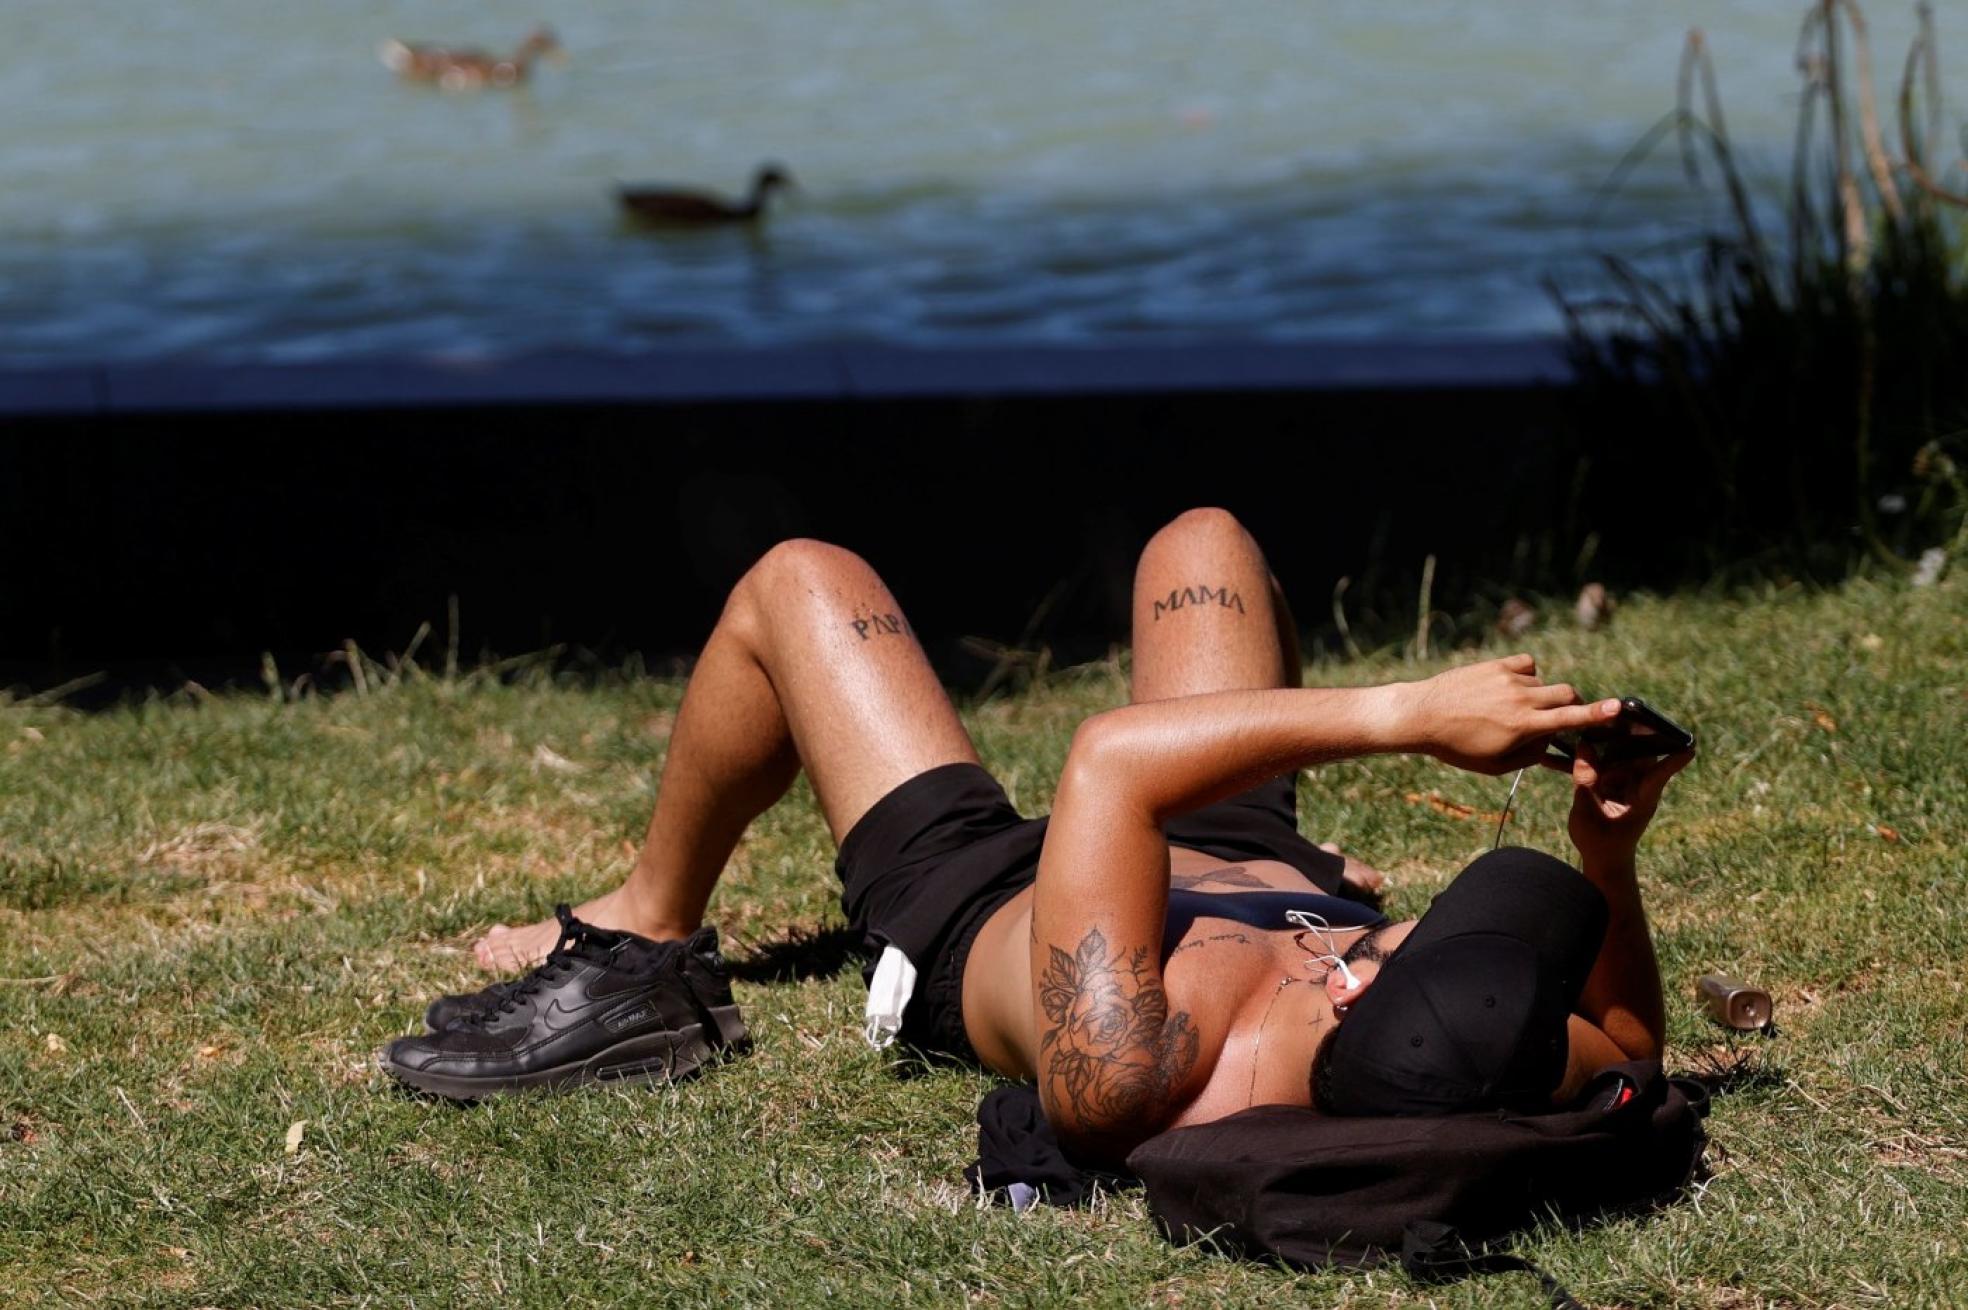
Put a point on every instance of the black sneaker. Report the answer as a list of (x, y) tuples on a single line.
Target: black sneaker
[(603, 1007), (448, 1010)]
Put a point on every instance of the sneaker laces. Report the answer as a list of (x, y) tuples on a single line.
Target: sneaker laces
[(580, 943)]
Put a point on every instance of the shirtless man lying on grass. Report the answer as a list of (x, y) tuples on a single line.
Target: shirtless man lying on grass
[(1166, 949)]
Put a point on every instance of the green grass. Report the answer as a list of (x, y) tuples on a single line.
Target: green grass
[(212, 911)]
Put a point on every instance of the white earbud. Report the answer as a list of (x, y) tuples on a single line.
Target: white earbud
[(1352, 980), (1307, 921)]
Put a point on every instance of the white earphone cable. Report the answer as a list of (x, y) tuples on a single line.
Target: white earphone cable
[(1508, 801)]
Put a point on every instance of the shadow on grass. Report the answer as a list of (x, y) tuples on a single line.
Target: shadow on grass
[(1726, 1071), (801, 954)]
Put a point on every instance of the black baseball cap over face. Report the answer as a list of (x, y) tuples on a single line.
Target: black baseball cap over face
[(1469, 1013)]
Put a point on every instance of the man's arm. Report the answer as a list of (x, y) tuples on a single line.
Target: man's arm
[(1115, 1059)]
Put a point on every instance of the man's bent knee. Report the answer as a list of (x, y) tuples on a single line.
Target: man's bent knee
[(802, 560), (782, 568), (1201, 528), (791, 575)]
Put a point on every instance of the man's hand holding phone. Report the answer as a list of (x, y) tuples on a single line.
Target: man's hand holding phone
[(1612, 804)]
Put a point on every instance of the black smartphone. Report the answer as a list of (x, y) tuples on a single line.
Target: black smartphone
[(1640, 732)]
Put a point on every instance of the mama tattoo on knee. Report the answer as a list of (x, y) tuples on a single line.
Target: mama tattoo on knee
[(1184, 597), (877, 625)]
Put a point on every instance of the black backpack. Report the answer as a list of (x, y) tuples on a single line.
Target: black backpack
[(1435, 1193)]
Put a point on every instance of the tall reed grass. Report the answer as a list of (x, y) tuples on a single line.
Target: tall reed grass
[(1795, 399)]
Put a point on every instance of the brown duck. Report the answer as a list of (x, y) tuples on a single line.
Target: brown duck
[(466, 69), (661, 206)]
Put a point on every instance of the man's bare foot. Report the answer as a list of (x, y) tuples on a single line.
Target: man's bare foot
[(508, 950), (1365, 880)]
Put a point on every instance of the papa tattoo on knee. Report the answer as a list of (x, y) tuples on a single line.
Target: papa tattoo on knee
[(877, 625), (1186, 597)]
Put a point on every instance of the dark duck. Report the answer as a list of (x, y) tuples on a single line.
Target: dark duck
[(667, 206)]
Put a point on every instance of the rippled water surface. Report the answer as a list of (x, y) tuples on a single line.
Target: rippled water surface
[(231, 179)]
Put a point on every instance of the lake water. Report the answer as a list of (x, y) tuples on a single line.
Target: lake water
[(233, 180)]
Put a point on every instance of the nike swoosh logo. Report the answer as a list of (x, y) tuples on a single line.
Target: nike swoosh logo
[(559, 1018)]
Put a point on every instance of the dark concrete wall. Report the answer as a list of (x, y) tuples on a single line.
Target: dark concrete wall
[(182, 526)]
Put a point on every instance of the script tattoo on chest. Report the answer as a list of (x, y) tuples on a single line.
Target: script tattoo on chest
[(1111, 1052), (1205, 941)]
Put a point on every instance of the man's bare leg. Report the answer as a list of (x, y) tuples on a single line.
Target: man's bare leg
[(811, 663), (1210, 616)]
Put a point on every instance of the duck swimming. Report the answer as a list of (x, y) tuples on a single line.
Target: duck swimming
[(466, 69), (662, 206)]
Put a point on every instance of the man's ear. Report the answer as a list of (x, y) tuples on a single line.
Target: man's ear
[(1337, 990)]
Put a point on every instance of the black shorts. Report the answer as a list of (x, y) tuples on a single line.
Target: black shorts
[(931, 861)]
